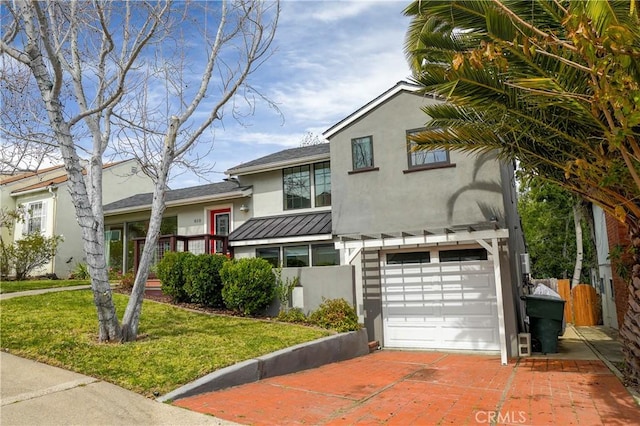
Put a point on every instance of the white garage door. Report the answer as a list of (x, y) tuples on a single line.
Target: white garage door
[(438, 305)]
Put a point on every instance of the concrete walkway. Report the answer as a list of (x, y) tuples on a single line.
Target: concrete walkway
[(5, 296), (32, 393)]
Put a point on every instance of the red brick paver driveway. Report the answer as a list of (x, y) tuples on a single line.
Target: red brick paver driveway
[(428, 388)]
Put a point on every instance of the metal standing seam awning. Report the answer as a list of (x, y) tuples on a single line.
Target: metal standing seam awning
[(282, 228), (488, 235)]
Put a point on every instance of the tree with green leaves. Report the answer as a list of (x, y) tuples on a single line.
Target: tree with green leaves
[(553, 84), (559, 247)]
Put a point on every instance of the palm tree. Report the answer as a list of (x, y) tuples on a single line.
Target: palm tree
[(553, 84)]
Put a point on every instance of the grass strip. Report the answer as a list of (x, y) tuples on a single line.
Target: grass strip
[(175, 346)]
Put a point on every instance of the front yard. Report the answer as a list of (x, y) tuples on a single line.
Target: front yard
[(175, 346)]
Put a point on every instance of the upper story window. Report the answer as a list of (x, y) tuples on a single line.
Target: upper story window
[(362, 153), (36, 217), (297, 187), (425, 158), (322, 184), (300, 186)]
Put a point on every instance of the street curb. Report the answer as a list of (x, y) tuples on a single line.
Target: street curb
[(308, 355)]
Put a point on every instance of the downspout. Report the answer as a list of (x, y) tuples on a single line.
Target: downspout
[(54, 218)]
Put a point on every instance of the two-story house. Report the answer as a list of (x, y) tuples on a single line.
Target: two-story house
[(425, 244), (434, 236), (46, 199)]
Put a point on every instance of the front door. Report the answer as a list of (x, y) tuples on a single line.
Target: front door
[(220, 224)]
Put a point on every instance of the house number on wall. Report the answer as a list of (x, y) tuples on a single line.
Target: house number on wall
[(197, 220)]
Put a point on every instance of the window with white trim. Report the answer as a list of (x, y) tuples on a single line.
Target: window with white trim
[(35, 220)]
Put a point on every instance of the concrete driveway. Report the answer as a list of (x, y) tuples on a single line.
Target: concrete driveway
[(429, 388)]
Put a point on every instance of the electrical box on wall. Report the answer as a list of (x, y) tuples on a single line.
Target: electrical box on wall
[(524, 260)]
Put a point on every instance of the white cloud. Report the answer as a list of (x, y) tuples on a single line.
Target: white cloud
[(332, 58)]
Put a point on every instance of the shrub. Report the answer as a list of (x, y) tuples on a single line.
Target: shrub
[(248, 285), (170, 271), (127, 281), (293, 315), (202, 279), (335, 314), (29, 253), (284, 289), (81, 272)]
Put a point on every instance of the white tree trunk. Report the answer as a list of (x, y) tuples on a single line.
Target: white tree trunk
[(131, 319), (577, 221)]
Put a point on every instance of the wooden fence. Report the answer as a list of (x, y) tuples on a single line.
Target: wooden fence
[(582, 307)]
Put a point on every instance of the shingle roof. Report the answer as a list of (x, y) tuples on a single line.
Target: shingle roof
[(284, 156), (201, 191), (23, 175), (54, 180), (296, 225)]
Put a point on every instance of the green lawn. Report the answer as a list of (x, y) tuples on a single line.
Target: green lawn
[(174, 347), (14, 286)]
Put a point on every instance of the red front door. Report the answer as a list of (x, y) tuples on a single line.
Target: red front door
[(219, 224)]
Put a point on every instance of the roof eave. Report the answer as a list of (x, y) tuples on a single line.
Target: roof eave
[(400, 87), (239, 171), (184, 202)]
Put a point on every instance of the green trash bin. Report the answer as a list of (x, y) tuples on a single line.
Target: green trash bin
[(545, 320)]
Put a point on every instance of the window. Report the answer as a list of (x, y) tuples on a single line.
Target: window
[(463, 255), (322, 184), (270, 254), (421, 158), (297, 187), (325, 255), (408, 258), (36, 215), (362, 152), (296, 256)]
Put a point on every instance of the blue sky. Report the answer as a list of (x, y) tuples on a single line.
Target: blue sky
[(331, 58)]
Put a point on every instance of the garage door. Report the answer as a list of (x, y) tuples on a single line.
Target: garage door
[(438, 305)]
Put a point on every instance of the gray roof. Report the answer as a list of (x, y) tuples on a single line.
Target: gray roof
[(296, 225), (284, 156), (201, 191)]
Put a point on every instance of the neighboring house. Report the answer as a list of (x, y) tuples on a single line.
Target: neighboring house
[(609, 234), (50, 209), (434, 236)]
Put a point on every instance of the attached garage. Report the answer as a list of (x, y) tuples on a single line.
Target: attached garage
[(439, 299)]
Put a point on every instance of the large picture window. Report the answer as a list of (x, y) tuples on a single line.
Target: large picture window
[(322, 184), (362, 153), (297, 187), (421, 158)]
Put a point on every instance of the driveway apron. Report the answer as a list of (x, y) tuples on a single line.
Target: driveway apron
[(429, 388)]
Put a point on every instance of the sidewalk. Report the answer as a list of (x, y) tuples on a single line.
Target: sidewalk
[(32, 393)]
